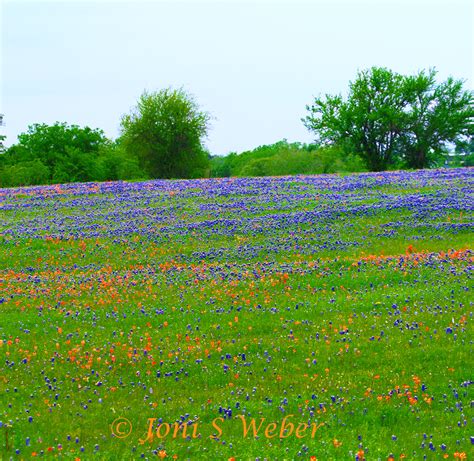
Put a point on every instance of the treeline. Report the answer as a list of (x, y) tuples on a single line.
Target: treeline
[(283, 158), (387, 121)]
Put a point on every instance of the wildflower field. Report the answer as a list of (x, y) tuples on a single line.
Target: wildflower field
[(307, 317)]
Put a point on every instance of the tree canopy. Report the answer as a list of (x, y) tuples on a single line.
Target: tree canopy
[(62, 153), (166, 130), (390, 119)]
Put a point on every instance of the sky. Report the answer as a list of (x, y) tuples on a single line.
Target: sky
[(253, 65)]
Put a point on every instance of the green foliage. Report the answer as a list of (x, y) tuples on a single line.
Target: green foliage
[(437, 115), (2, 147), (463, 153), (283, 158), (220, 166), (60, 153), (165, 131), (465, 146), (24, 173), (116, 164), (368, 122), (469, 160), (388, 118)]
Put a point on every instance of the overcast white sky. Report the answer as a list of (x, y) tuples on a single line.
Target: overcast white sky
[(253, 65)]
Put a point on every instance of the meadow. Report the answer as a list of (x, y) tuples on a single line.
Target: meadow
[(158, 319)]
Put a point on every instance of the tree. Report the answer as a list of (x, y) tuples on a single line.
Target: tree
[(51, 143), (60, 153), (165, 130), (388, 118), (116, 164), (67, 153), (438, 115), (368, 123)]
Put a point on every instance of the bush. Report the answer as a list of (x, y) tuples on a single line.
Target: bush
[(24, 174)]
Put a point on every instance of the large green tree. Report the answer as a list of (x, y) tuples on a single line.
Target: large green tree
[(166, 130), (390, 119), (438, 114), (368, 122)]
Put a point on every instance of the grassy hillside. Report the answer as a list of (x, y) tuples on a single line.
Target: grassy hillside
[(341, 303)]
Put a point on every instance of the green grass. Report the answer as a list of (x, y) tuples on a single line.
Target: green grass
[(360, 322)]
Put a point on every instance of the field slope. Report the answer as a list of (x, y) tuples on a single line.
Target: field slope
[(341, 303)]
